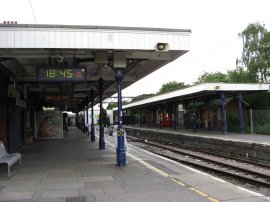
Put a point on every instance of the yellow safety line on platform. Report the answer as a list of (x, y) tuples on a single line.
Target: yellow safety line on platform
[(198, 191), (212, 199), (153, 168), (178, 182), (149, 166)]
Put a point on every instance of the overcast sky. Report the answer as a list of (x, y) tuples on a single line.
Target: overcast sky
[(215, 25)]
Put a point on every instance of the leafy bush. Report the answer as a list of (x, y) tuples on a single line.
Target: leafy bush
[(232, 121), (262, 129)]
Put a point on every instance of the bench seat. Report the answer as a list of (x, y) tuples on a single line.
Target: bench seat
[(9, 159)]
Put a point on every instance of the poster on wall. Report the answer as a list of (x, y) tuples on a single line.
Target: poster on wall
[(49, 125)]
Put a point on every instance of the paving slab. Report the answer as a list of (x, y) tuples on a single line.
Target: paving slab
[(7, 196), (96, 178), (139, 188), (256, 199), (225, 191), (22, 185), (65, 175), (197, 179), (90, 191), (40, 200), (63, 185), (131, 197), (113, 190), (58, 193), (104, 184), (28, 169), (30, 176), (183, 195)]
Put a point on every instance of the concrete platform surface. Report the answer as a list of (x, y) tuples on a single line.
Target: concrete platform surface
[(75, 170)]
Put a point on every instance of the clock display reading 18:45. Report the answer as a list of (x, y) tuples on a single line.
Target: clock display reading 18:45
[(61, 74)]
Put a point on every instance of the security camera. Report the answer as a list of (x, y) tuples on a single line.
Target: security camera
[(162, 47), (59, 59)]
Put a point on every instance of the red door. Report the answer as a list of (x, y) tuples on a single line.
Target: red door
[(166, 120)]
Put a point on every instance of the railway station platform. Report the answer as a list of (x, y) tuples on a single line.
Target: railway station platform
[(232, 136), (247, 145), (74, 169)]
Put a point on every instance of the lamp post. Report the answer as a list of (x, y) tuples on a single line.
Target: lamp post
[(224, 122)]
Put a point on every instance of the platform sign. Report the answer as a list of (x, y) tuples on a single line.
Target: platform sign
[(61, 74), (49, 125)]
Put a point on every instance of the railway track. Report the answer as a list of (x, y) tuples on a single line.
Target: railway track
[(252, 175)]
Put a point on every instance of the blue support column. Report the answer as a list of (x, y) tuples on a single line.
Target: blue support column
[(208, 117), (121, 151), (101, 126), (194, 123), (86, 108), (241, 125), (160, 120), (140, 117), (87, 131), (92, 97), (194, 118), (174, 118), (148, 118), (224, 122), (133, 118), (84, 118)]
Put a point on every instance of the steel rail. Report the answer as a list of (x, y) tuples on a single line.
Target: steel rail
[(215, 166)]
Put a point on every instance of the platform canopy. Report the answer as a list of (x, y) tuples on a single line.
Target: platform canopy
[(202, 92), (32, 53)]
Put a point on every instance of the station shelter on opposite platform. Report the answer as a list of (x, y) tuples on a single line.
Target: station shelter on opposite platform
[(205, 106)]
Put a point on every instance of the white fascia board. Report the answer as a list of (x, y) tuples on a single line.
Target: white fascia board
[(177, 93), (237, 87), (72, 38), (214, 87)]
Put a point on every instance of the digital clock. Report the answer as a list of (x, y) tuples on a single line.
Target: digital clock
[(61, 74)]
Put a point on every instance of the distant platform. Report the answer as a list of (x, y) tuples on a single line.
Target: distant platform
[(249, 138), (246, 145)]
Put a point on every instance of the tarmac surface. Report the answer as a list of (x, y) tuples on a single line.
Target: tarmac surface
[(75, 170)]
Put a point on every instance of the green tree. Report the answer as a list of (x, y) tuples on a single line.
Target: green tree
[(165, 88), (258, 101), (171, 86), (104, 117), (115, 105), (256, 52), (142, 97), (266, 56), (212, 78), (239, 75), (112, 105)]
